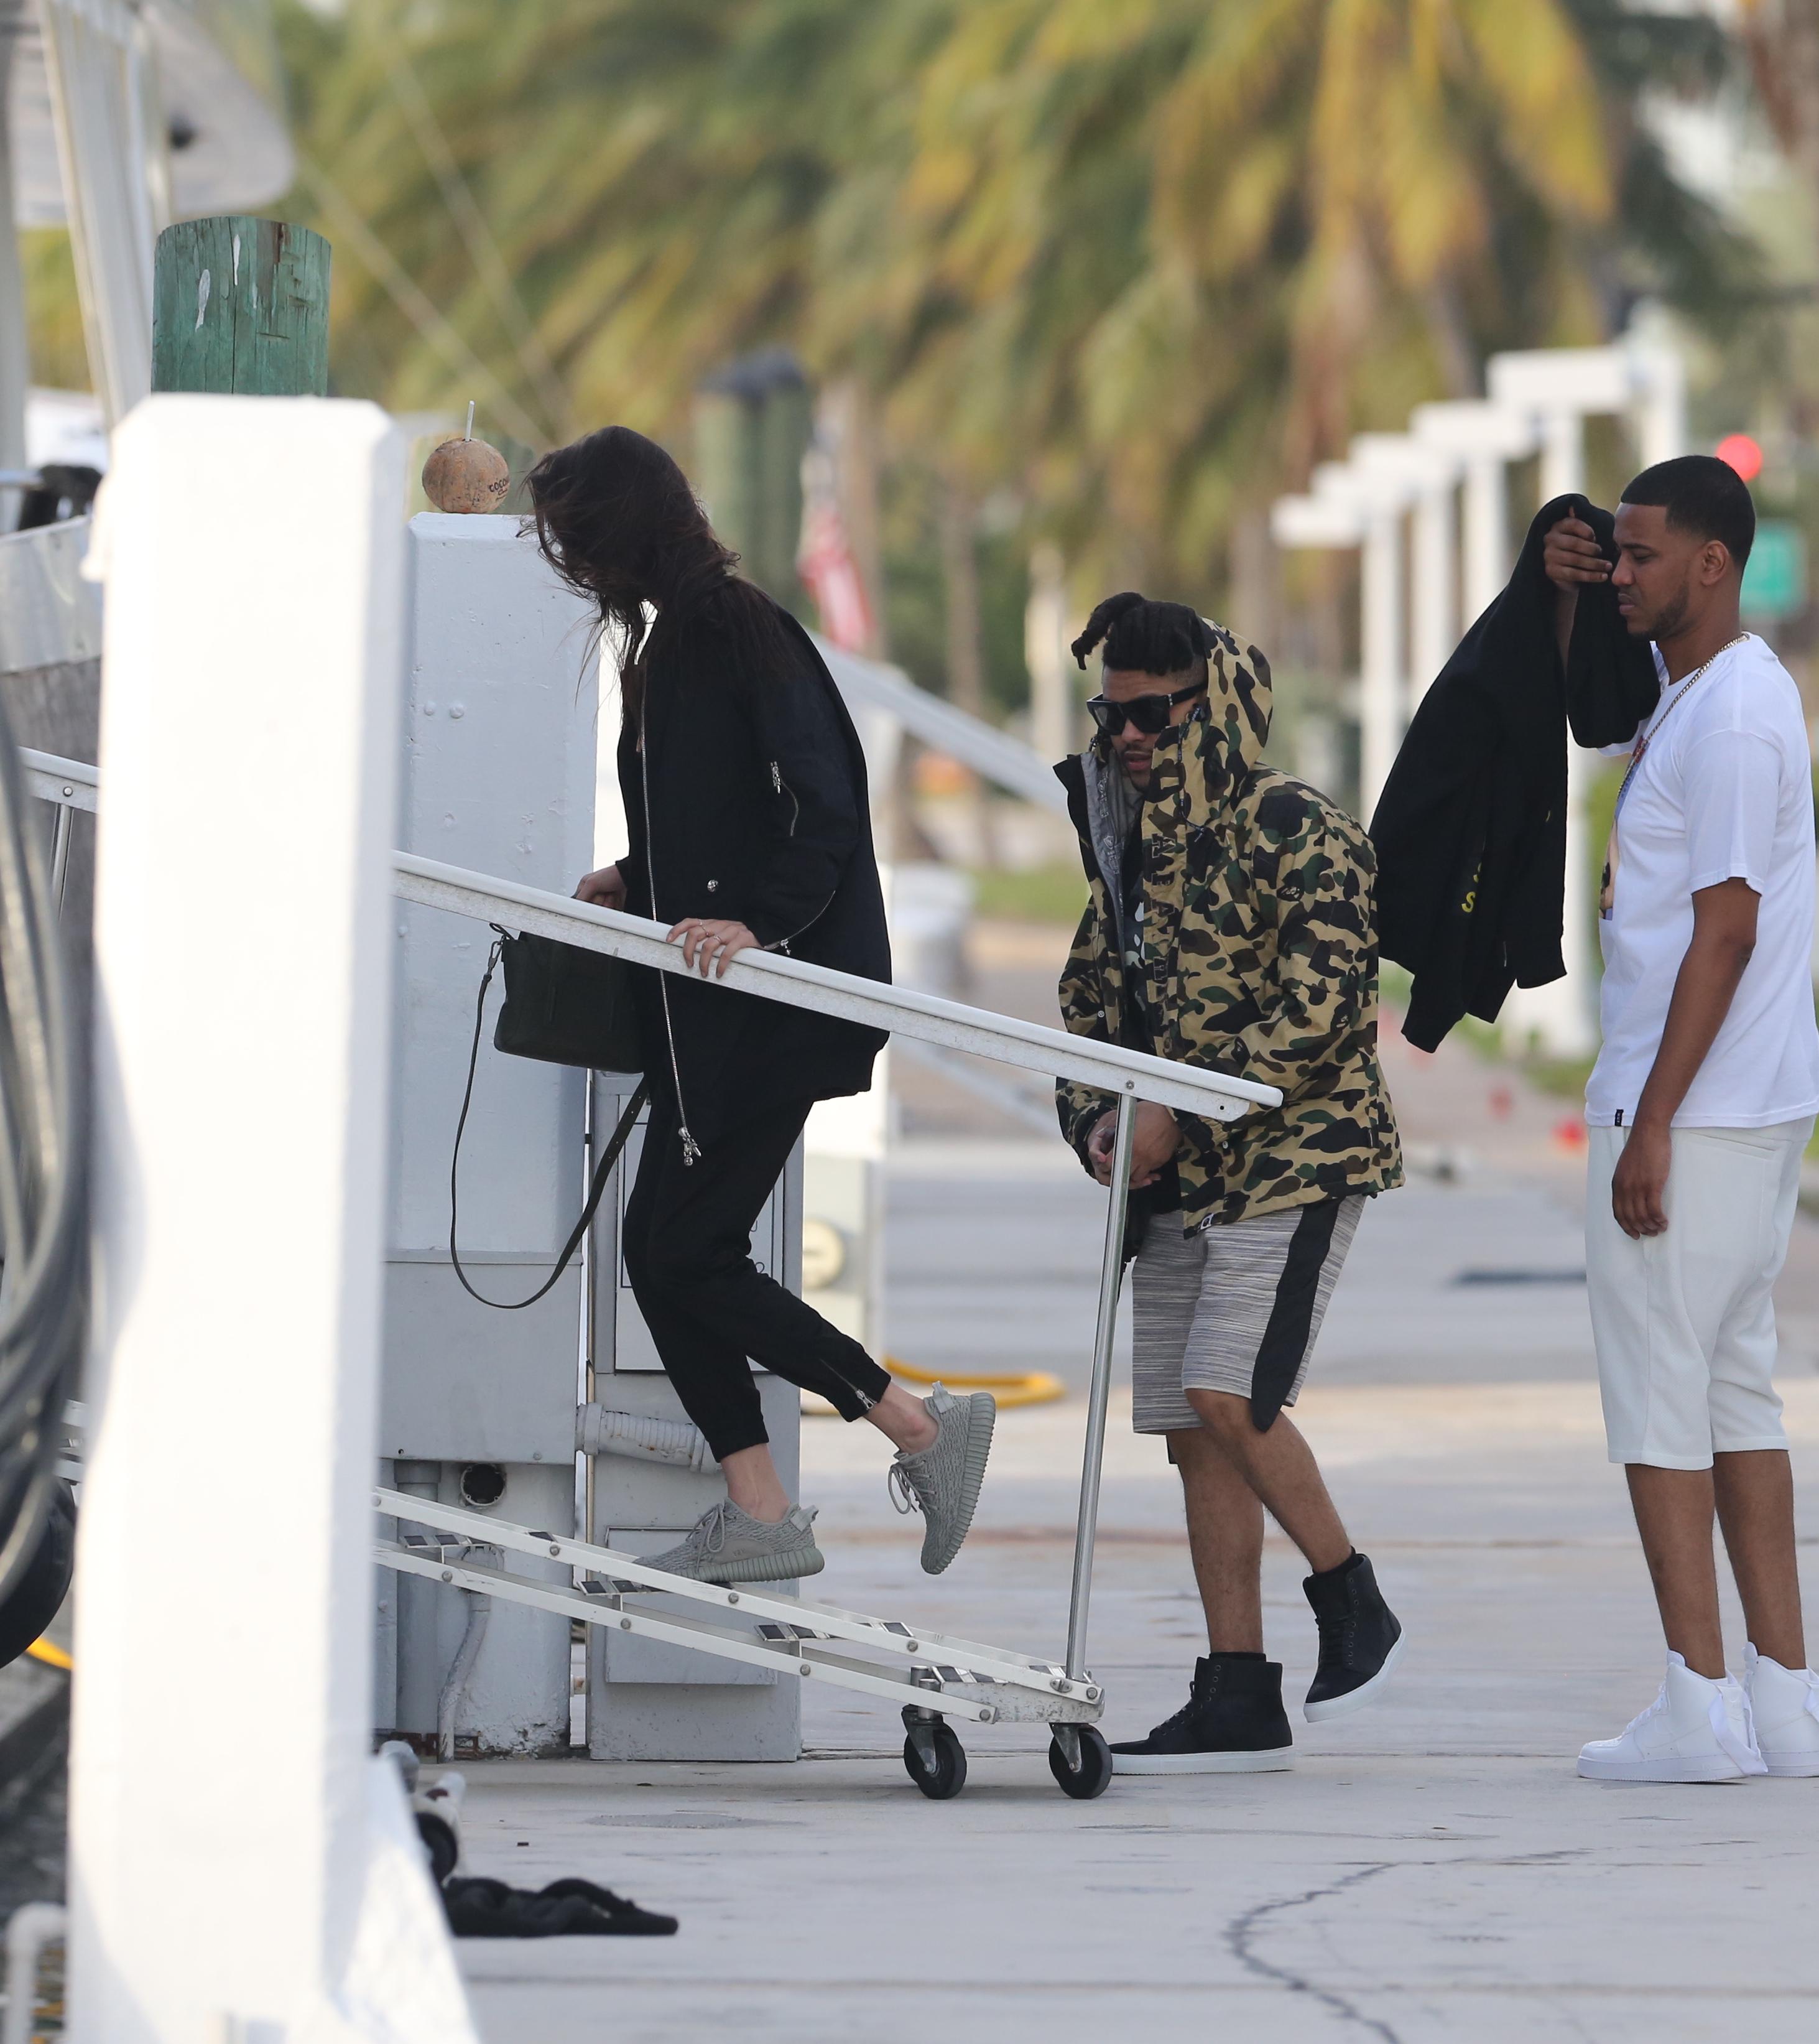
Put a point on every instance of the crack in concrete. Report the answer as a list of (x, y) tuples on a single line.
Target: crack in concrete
[(1239, 1932)]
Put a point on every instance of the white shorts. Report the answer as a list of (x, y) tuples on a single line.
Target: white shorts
[(1236, 1308), (1684, 1322)]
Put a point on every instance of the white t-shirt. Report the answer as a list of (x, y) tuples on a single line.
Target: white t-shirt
[(1724, 791)]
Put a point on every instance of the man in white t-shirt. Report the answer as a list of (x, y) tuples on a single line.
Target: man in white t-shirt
[(1699, 1108)]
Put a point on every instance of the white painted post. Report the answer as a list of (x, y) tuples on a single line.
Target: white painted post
[(1433, 587), (1380, 679), (1486, 534), (1331, 519), (1559, 1015), (1563, 452), (236, 1868), (1658, 418), (1558, 387), (1392, 468), (1483, 437)]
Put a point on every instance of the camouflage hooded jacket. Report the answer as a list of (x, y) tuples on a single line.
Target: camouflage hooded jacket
[(1260, 942)]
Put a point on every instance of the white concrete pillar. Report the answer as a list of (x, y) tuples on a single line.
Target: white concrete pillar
[(1433, 590), (1558, 1017), (1562, 453), (1381, 672), (1483, 437), (1487, 534), (232, 1860), (1658, 416)]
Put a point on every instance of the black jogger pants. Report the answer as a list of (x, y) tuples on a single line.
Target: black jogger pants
[(687, 1246)]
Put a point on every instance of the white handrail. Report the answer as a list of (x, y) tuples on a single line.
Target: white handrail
[(1108, 1067), (66, 782)]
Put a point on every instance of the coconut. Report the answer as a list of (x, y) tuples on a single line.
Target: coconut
[(465, 475)]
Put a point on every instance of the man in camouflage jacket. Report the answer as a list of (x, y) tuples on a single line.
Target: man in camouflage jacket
[(1258, 948), (1229, 924)]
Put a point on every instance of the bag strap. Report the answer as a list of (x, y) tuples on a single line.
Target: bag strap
[(602, 1171)]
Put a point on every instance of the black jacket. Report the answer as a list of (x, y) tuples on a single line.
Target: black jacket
[(1471, 831), (759, 814)]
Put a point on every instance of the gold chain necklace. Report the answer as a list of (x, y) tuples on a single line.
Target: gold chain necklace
[(1645, 739)]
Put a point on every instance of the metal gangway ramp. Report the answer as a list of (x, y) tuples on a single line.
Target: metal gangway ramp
[(935, 1677)]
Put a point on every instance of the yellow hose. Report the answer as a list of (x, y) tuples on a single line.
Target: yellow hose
[(51, 1655), (1022, 1387)]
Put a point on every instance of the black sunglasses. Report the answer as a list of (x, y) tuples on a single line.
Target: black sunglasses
[(1145, 713)]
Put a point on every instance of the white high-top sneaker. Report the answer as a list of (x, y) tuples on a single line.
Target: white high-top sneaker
[(1696, 1730), (1784, 1703)]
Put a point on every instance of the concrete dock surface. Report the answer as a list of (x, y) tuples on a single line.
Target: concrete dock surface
[(1431, 1869)]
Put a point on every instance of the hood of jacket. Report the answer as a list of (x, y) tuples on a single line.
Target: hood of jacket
[(1199, 765)]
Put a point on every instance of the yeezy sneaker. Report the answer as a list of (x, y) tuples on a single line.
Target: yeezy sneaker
[(1361, 1639), (1232, 1722), (1696, 1730), (726, 1545), (1784, 1707), (941, 1482)]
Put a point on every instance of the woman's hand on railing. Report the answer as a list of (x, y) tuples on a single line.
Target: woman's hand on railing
[(605, 889), (715, 945)]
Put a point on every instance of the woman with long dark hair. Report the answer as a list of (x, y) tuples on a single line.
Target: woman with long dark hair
[(746, 809)]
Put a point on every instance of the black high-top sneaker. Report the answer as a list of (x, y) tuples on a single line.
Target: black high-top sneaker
[(1232, 1722), (1361, 1639)]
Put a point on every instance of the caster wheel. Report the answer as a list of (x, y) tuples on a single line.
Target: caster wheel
[(1094, 1773), (948, 1774)]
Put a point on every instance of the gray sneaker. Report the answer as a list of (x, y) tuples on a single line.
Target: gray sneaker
[(726, 1545), (942, 1481)]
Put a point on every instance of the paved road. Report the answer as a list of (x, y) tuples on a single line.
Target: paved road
[(1432, 1871)]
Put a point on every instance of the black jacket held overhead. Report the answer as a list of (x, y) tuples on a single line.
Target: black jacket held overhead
[(758, 814), (1471, 831)]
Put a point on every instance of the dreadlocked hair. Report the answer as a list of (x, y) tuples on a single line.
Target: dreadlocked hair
[(615, 518), (1143, 637)]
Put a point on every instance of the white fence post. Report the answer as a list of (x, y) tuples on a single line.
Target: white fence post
[(237, 1868)]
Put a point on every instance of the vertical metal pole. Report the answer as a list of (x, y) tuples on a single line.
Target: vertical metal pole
[(590, 1294), (60, 855), (1111, 1271)]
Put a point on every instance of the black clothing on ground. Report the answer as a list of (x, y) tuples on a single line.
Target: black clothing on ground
[(758, 814), (687, 1245), (478, 1908), (1471, 830)]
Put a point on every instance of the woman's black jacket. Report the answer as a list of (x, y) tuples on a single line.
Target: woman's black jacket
[(758, 814)]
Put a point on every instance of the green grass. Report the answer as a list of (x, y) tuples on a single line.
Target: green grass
[(1054, 893)]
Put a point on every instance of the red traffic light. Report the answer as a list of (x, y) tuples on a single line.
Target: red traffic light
[(1741, 453)]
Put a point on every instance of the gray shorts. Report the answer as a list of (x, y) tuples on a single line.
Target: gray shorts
[(1235, 1308)]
